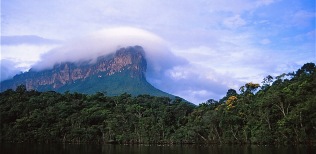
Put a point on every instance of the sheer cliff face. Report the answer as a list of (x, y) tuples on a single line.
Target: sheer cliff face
[(130, 59)]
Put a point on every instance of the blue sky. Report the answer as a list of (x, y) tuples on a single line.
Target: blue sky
[(225, 43)]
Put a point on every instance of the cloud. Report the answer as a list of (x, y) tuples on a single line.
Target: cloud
[(18, 53), (241, 62), (237, 6), (24, 55), (194, 82), (27, 39), (264, 2), (107, 41), (8, 69), (303, 18), (234, 22), (265, 41)]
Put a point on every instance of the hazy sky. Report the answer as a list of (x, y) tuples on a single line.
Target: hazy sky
[(215, 44)]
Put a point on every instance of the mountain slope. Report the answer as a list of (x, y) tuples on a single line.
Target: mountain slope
[(113, 74)]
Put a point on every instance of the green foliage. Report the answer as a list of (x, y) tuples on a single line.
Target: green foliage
[(30, 116), (282, 111), (278, 112)]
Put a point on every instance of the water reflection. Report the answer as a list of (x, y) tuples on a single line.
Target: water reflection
[(150, 149)]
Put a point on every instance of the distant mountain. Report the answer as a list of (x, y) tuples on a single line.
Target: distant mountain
[(121, 72)]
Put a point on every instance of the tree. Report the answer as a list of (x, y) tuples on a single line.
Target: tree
[(21, 89)]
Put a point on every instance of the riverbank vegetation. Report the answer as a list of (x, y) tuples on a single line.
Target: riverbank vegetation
[(282, 110)]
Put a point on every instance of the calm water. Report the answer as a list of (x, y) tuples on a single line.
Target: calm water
[(146, 149)]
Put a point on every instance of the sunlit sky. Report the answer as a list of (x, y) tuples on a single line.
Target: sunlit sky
[(225, 43)]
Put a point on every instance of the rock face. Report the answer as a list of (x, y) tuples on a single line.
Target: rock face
[(114, 74)]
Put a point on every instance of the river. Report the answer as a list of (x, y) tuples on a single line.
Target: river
[(24, 148)]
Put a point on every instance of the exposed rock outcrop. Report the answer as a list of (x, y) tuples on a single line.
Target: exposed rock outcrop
[(130, 59)]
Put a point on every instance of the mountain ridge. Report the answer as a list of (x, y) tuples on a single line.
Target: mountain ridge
[(117, 73)]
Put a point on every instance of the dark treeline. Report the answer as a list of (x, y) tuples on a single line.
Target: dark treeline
[(280, 111)]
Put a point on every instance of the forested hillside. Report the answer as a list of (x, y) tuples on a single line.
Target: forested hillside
[(281, 110)]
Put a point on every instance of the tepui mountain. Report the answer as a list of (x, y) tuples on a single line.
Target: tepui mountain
[(114, 74)]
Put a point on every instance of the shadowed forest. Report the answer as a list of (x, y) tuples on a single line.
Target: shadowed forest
[(280, 110)]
